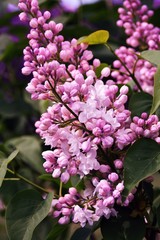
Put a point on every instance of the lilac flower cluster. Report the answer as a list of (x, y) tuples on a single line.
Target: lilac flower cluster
[(101, 120), (143, 35), (134, 18), (146, 126), (87, 125)]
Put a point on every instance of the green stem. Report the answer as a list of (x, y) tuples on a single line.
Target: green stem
[(131, 74), (28, 181)]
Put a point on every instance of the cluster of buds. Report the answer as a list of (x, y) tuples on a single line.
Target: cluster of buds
[(142, 70), (134, 19)]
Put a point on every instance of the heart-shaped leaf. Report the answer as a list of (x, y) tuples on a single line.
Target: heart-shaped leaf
[(24, 212), (140, 102), (141, 161)]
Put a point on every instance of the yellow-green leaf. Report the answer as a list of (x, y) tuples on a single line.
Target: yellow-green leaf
[(98, 37)]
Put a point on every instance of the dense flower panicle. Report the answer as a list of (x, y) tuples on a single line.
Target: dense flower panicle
[(87, 119), (141, 69), (105, 126), (134, 18), (90, 205), (47, 54), (95, 201)]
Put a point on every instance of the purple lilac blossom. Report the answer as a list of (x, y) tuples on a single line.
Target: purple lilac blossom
[(142, 35), (87, 120), (73, 5)]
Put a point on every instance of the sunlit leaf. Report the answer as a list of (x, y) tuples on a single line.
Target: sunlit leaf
[(141, 161), (24, 212), (98, 37), (4, 164)]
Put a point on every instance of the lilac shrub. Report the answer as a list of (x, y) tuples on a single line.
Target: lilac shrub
[(88, 126)]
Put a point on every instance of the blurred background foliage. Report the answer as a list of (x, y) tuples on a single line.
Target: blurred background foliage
[(18, 112)]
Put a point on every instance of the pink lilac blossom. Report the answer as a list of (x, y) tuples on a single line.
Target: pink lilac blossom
[(87, 120), (134, 18)]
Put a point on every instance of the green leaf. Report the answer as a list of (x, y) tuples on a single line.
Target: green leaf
[(24, 212), (30, 151), (158, 215), (142, 158), (140, 102), (43, 105), (125, 228), (108, 228), (81, 233), (11, 51), (152, 56), (2, 157), (156, 200), (57, 231), (46, 177), (14, 109), (156, 96), (134, 223), (98, 37), (77, 182), (149, 3), (4, 164)]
